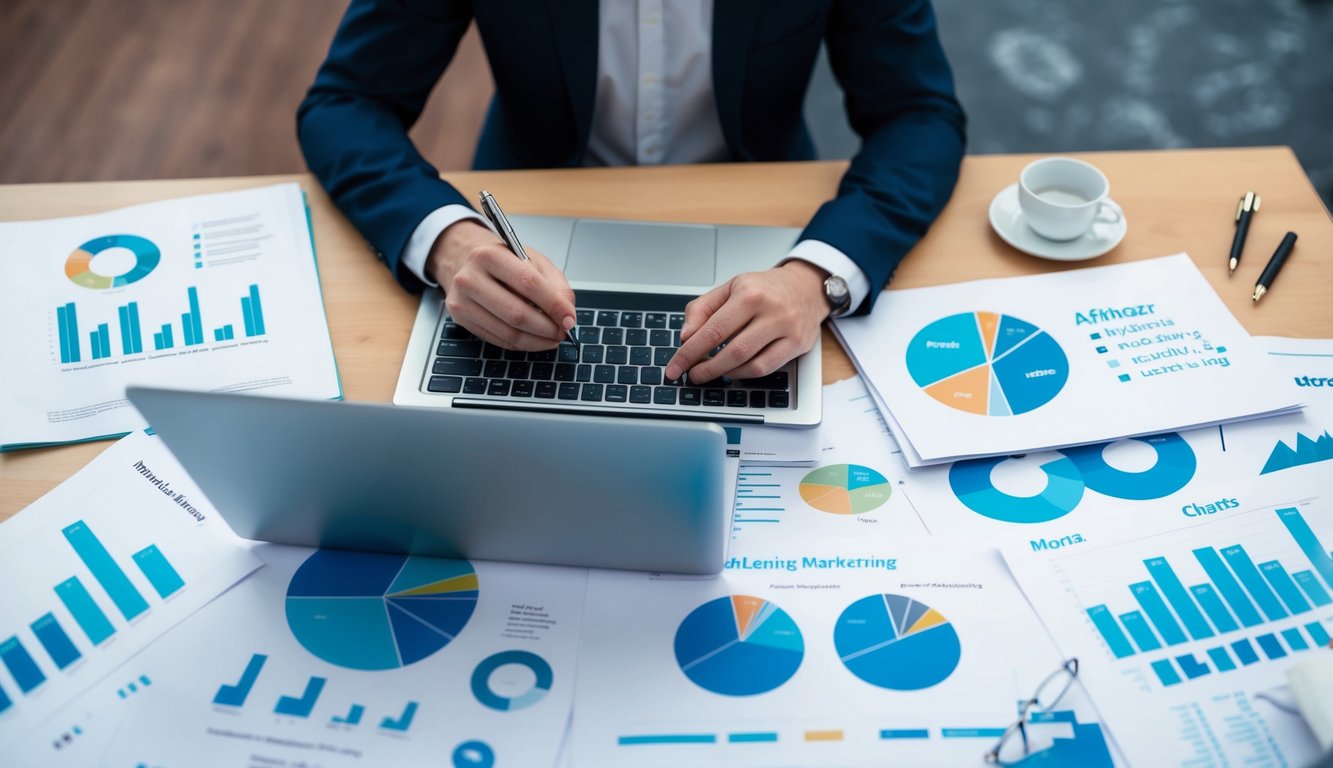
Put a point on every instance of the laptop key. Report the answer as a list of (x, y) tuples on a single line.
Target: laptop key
[(616, 393), (655, 320), (564, 372), (641, 356), (631, 319), (492, 352), (455, 331), (691, 396), (519, 370), (640, 394), (591, 393), (607, 317), (522, 388), (474, 387), (445, 384), (713, 397), (627, 374), (636, 337), (592, 353), (583, 373), (545, 390), (676, 321), (663, 355), (498, 388), (613, 335), (758, 399), (543, 356), (737, 398), (568, 353), (459, 348), (650, 375), (542, 371), (604, 374), (778, 400), (774, 380), (515, 354), (568, 392), (664, 395), (456, 366), (584, 316), (589, 334), (495, 369), (659, 338), (617, 355)]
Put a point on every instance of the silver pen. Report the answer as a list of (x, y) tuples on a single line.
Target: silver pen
[(501, 223)]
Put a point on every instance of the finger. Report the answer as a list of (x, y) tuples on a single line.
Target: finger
[(720, 326), (528, 280), (561, 284), (703, 307), (488, 327), (743, 347), (499, 299), (773, 357)]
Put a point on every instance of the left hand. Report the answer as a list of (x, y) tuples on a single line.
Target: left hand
[(767, 318)]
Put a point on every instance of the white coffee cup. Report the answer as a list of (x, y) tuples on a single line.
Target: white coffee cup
[(1061, 197)]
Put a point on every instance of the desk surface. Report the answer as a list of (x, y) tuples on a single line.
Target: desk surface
[(1173, 201)]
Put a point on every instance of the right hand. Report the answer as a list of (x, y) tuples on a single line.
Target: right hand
[(515, 304)]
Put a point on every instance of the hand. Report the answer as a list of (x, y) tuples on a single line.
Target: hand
[(509, 302), (770, 317)]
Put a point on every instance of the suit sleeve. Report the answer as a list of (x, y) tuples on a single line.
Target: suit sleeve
[(384, 60), (900, 101)]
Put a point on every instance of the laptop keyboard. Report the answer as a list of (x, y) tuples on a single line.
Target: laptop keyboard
[(620, 361)]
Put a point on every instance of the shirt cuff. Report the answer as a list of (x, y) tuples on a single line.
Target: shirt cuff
[(834, 262), (428, 231)]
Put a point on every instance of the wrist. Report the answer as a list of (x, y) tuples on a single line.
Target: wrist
[(810, 284), (452, 245)]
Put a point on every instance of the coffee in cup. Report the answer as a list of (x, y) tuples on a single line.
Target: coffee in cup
[(1061, 197)]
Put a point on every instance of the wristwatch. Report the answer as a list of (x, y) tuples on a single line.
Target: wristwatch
[(838, 296)]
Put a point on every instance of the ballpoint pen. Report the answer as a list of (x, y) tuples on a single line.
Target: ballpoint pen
[(506, 231), (1249, 205), (1274, 266)]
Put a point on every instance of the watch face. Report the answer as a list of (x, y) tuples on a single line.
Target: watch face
[(837, 293)]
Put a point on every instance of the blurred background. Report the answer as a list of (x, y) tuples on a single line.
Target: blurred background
[(125, 89)]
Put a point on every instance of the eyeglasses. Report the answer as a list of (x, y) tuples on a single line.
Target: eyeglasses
[(1013, 745)]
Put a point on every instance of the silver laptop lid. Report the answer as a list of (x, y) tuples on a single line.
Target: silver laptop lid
[(542, 488)]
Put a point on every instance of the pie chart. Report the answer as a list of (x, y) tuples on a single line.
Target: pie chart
[(739, 646), (371, 611), (896, 642), (845, 489), (78, 267), (987, 363)]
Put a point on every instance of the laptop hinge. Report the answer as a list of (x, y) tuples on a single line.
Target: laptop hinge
[(640, 413)]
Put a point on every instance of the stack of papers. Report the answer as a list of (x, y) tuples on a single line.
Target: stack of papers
[(215, 292), (1022, 364)]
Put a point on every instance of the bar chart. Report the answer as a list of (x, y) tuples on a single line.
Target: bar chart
[(129, 331), (60, 646), (1247, 610)]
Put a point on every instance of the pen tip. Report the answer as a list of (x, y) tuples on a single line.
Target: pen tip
[(1259, 292), (1233, 266)]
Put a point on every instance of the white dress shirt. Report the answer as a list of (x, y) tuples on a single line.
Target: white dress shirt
[(654, 104)]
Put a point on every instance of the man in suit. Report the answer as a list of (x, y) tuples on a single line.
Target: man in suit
[(610, 82)]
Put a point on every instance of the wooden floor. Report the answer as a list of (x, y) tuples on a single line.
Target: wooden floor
[(130, 89)]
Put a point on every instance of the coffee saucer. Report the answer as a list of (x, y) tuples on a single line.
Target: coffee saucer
[(1006, 218)]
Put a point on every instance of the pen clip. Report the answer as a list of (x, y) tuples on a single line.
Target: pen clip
[(1250, 202)]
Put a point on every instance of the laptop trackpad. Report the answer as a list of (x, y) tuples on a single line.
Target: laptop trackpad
[(642, 254)]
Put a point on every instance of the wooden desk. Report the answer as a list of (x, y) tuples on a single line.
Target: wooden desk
[(1174, 201)]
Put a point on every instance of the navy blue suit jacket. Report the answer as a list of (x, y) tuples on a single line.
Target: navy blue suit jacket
[(388, 54)]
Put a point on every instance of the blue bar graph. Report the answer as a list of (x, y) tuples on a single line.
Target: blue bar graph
[(103, 340), (95, 343), (1245, 652), (1295, 639), (1254, 582), (403, 721), (1305, 538), (353, 716), (131, 341), (1311, 587), (1221, 659), (1140, 631), (668, 738), (1151, 603), (1271, 647), (25, 671), (1192, 667), (105, 570), (1101, 618), (1162, 573), (5, 703), (904, 733), (194, 329), (757, 737), (53, 638), (160, 574), (256, 312), (1284, 587), (971, 733), (1228, 586), (301, 707), (235, 695), (80, 604), (1319, 634), (67, 322), (1212, 605)]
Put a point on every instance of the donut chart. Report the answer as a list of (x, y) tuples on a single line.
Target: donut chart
[(971, 483), (896, 642), (845, 489), (987, 363), (498, 683), (370, 611), (1173, 469), (78, 267), (739, 645)]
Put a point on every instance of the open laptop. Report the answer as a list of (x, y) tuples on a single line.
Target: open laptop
[(636, 494), (632, 280)]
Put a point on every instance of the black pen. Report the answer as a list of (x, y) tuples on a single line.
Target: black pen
[(502, 226), (1249, 205), (1284, 249)]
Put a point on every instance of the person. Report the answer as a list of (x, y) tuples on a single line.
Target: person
[(611, 82)]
